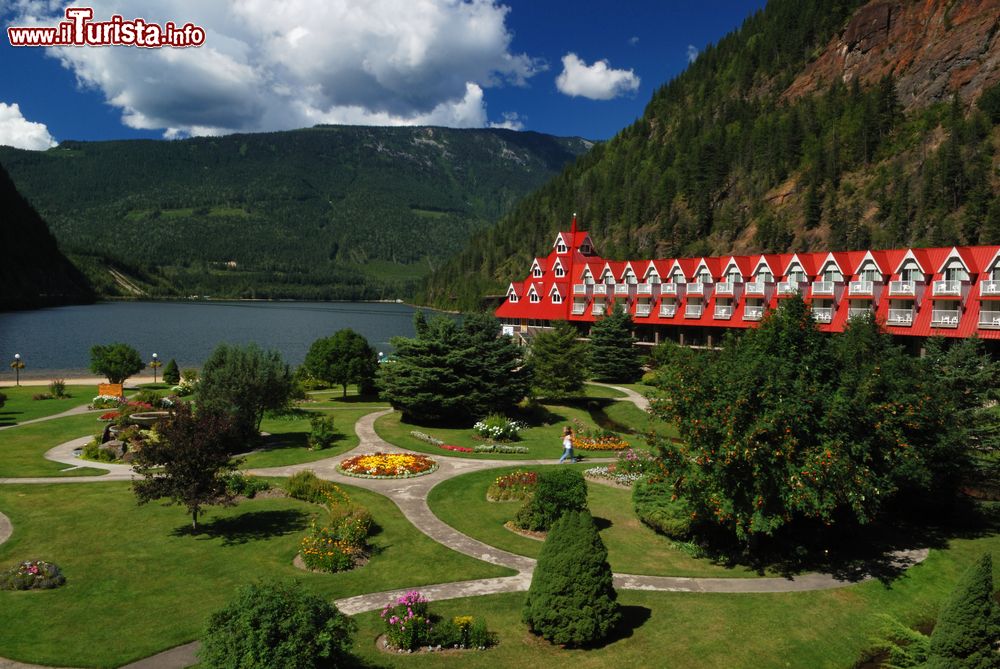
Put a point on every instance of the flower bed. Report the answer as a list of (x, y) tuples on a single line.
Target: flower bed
[(410, 626), (457, 449), (500, 448), (107, 402), (110, 416), (517, 485), (387, 465), (426, 437), (32, 575), (498, 427), (612, 474), (605, 442)]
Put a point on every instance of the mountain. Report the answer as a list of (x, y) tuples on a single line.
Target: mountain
[(816, 124), (33, 272), (330, 212)]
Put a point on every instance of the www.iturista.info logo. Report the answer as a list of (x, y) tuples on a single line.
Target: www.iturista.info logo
[(80, 30)]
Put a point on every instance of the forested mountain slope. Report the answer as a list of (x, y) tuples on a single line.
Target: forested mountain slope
[(331, 212), (33, 272), (816, 124)]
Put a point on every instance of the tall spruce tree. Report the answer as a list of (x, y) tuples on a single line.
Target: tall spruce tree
[(172, 373), (614, 356), (572, 599), (558, 361), (968, 628)]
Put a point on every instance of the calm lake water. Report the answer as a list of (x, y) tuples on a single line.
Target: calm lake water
[(56, 342)]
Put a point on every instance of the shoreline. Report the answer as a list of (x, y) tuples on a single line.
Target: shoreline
[(80, 381)]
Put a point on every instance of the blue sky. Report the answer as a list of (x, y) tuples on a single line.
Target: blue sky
[(529, 65)]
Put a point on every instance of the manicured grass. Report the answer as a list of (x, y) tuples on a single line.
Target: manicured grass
[(22, 448), (543, 441), (138, 582), (629, 415), (593, 390), (288, 445), (633, 548), (20, 407)]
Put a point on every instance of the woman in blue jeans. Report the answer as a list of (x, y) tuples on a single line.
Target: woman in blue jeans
[(567, 445)]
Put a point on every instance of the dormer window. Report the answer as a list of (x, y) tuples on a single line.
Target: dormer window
[(556, 297), (765, 275), (537, 272), (534, 297), (955, 271), (734, 276), (704, 276), (911, 272), (560, 246), (512, 296), (585, 249), (558, 270), (796, 275)]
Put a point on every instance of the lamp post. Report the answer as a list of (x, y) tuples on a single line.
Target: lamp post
[(17, 366), (155, 365)]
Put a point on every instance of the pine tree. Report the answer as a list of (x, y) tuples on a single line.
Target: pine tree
[(968, 627), (572, 599), (171, 373), (614, 356), (558, 361)]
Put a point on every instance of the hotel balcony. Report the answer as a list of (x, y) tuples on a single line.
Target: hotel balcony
[(696, 289), (692, 311), (725, 288), (579, 308), (723, 311), (947, 288), (854, 312), (580, 289), (754, 288), (753, 313), (901, 317), (989, 288), (600, 289), (644, 289), (823, 288), (989, 320), (946, 318), (668, 310), (621, 289), (668, 289), (788, 287), (823, 314), (902, 288), (642, 309), (861, 288), (598, 309)]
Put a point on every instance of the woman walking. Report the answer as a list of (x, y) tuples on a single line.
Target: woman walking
[(567, 445)]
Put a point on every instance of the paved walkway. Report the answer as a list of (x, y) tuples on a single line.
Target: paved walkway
[(410, 495), (630, 395), (75, 411)]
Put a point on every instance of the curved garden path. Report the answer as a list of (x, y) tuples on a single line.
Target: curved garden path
[(410, 495), (630, 395)]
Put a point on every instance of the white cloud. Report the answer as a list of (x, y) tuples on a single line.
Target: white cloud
[(387, 62), (19, 132), (597, 81), (692, 53), (511, 121), (633, 40)]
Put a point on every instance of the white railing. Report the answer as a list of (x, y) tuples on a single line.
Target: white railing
[(621, 289), (823, 314), (580, 289), (901, 317), (668, 289), (725, 288), (989, 287), (861, 288), (642, 309), (754, 288), (788, 287), (753, 313), (668, 310), (645, 289), (854, 312), (947, 287), (902, 287), (692, 311), (946, 318), (600, 289), (598, 309), (723, 311), (989, 320), (822, 288), (579, 308), (695, 289)]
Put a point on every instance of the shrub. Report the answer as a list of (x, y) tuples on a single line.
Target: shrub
[(968, 627), (903, 646), (631, 461), (245, 485), (572, 600), (558, 491), (92, 451), (498, 427), (190, 376), (106, 402), (171, 373), (407, 622), (57, 388), (3, 399), (514, 486), (306, 486), (41, 396), (340, 544), (32, 575), (657, 506), (147, 397), (463, 632), (323, 433), (277, 625)]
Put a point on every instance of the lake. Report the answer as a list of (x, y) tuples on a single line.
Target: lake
[(56, 342)]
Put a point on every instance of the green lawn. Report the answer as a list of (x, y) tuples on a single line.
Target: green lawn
[(542, 441), (633, 548), (22, 448), (20, 407), (288, 445), (591, 390), (138, 583)]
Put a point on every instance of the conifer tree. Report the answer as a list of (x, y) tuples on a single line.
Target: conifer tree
[(558, 361), (171, 373), (614, 356), (572, 599), (968, 627)]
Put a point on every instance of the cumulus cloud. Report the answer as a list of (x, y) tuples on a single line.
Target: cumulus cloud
[(692, 53), (511, 121), (633, 40), (385, 62), (597, 82), (19, 132)]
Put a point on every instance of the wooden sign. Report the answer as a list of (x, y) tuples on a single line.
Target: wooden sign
[(113, 389)]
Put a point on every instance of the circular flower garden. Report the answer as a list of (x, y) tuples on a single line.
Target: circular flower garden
[(387, 465)]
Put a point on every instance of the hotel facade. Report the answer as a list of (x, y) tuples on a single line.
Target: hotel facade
[(915, 293)]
